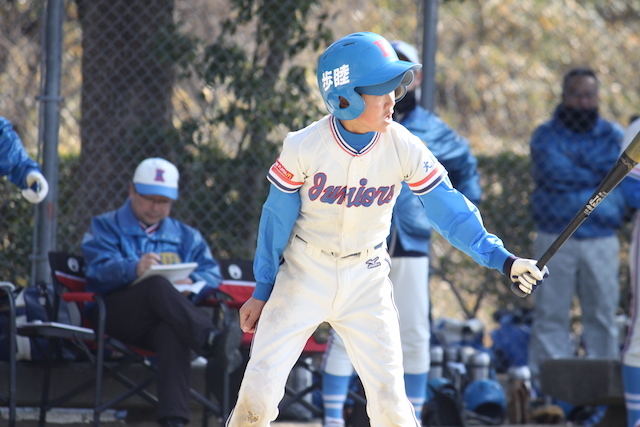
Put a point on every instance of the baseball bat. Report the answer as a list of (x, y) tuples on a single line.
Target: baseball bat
[(627, 160)]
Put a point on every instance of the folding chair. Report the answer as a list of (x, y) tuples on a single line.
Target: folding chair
[(236, 288), (238, 285), (68, 277), (10, 398)]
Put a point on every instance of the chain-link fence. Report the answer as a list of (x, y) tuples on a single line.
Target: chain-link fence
[(214, 86)]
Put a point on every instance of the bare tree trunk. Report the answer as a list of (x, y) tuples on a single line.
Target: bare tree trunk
[(127, 80)]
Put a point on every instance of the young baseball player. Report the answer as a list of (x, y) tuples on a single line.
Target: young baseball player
[(321, 254), (408, 245)]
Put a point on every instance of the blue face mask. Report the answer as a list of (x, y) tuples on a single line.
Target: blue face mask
[(579, 120)]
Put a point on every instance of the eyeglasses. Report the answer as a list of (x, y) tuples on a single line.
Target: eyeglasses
[(152, 199)]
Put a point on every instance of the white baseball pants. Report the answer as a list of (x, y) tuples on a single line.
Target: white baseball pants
[(354, 295)]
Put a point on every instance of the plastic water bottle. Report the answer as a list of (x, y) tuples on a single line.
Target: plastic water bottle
[(521, 373), (437, 362), (466, 354), (480, 365)]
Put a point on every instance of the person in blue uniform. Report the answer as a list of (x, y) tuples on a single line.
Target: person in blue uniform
[(121, 246), (570, 155)]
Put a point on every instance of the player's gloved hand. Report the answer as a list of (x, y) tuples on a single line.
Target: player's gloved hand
[(37, 187), (526, 276)]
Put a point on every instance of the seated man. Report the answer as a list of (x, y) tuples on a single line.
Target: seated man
[(119, 247)]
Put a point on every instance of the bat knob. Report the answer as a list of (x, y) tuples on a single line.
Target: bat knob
[(516, 290)]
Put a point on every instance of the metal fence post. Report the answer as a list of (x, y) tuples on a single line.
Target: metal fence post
[(429, 46), (45, 233)]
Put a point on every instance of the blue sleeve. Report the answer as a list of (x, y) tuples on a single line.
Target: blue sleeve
[(453, 216), (279, 214), (107, 269), (15, 163)]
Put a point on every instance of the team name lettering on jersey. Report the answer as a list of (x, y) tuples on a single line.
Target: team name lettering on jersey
[(355, 196)]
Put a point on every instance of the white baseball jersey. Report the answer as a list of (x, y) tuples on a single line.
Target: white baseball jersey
[(347, 197), (337, 270)]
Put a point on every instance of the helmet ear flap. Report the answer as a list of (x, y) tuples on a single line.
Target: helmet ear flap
[(352, 111), (333, 103)]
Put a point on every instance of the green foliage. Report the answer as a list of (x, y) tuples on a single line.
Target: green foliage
[(70, 227), (506, 212), (260, 92), (246, 77), (506, 184), (16, 234), (17, 224), (263, 87)]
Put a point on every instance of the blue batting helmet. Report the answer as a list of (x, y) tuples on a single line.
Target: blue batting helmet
[(360, 63), (486, 398)]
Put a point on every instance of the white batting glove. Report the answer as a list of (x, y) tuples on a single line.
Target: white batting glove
[(526, 276), (37, 187)]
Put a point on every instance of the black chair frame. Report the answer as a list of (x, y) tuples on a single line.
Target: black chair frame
[(10, 398), (93, 343)]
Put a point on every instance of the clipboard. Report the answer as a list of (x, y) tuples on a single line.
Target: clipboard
[(172, 272)]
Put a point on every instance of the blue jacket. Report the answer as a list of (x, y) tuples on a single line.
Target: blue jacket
[(14, 160), (567, 168), (113, 246), (409, 223)]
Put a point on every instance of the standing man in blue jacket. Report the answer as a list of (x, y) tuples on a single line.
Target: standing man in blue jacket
[(408, 243), (121, 246), (16, 164), (571, 154)]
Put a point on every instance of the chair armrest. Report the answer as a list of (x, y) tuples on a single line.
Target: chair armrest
[(215, 302), (7, 286), (78, 296)]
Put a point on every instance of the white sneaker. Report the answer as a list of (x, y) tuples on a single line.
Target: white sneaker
[(333, 422), (199, 361)]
